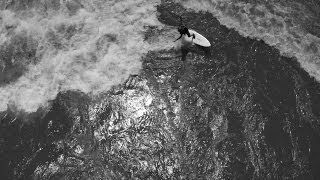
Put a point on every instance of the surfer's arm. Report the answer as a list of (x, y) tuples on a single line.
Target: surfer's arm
[(188, 33), (178, 38)]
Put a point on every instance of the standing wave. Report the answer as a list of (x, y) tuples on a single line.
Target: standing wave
[(292, 27)]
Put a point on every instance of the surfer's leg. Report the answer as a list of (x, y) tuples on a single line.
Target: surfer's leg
[(184, 52)]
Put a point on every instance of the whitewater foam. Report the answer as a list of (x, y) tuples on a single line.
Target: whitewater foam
[(279, 24), (88, 47)]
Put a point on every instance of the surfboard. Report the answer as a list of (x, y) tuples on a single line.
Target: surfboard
[(199, 39)]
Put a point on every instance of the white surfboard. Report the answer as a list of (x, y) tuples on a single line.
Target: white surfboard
[(199, 39)]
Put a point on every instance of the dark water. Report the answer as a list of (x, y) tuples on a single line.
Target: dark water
[(290, 26), (238, 110), (278, 124)]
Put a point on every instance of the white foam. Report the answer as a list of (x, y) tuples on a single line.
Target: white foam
[(279, 28), (91, 50)]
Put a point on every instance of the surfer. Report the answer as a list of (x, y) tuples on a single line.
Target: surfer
[(183, 30), (189, 38)]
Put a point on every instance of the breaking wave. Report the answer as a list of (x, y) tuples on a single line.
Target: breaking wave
[(72, 45), (292, 27)]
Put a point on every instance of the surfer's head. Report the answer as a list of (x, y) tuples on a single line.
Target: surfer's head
[(182, 29)]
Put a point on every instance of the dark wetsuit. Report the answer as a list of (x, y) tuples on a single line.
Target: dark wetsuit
[(183, 30)]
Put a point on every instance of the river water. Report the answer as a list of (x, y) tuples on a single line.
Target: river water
[(245, 108), (50, 46)]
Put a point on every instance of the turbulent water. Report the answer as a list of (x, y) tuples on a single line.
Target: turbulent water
[(245, 108), (53, 46), (293, 27)]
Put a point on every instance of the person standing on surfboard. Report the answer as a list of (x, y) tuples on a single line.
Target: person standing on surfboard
[(183, 30)]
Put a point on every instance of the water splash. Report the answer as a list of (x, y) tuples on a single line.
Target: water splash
[(83, 45)]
